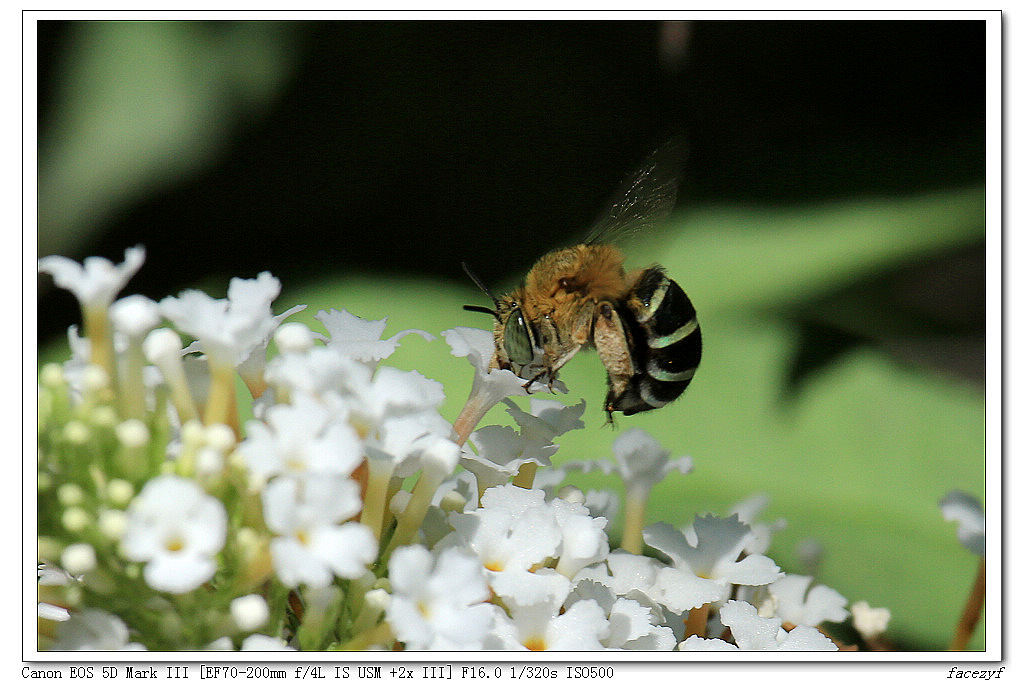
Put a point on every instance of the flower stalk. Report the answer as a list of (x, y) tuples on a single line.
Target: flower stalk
[(971, 613), (633, 523), (220, 405), (96, 322)]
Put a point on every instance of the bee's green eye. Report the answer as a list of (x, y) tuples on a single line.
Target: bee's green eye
[(518, 345)]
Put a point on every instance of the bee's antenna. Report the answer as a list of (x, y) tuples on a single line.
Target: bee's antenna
[(480, 309), (483, 288)]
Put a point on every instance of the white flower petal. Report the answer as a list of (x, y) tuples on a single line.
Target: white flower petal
[(679, 589), (97, 281), (695, 643), (806, 638), (756, 569), (966, 510), (580, 628), (348, 549), (93, 630), (178, 572), (361, 339), (799, 606), (751, 631)]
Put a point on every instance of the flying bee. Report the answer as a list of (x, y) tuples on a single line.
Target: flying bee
[(641, 322)]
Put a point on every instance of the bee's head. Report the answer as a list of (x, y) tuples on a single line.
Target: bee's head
[(515, 340)]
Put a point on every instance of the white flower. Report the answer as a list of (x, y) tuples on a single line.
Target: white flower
[(477, 345), (626, 574), (966, 510), (177, 529), (642, 462), (97, 281), (631, 625), (547, 419), (437, 600), (93, 630), (317, 371), (545, 627), (799, 606), (500, 452), (706, 570), (754, 633), (361, 339), (761, 533), (305, 512), (869, 622), (233, 329), (490, 385), (584, 541), (513, 533), (302, 437)]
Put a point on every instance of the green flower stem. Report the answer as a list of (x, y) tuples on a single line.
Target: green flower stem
[(132, 394), (101, 340), (181, 396), (633, 523), (368, 615), (380, 635), (971, 613), (394, 485), (375, 504), (220, 406), (412, 518)]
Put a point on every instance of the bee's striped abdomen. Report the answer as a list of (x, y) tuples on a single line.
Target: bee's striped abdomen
[(666, 343)]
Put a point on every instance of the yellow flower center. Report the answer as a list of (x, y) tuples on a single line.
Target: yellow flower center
[(536, 644)]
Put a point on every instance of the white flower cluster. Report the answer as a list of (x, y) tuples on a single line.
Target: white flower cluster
[(339, 517)]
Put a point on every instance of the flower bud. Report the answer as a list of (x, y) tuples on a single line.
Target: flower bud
[(75, 519), (104, 416), (76, 433), (249, 612), (132, 433), (112, 523), (571, 493), (78, 558), (220, 437), (51, 376), (70, 494), (95, 379), (399, 502), (293, 337), (120, 492)]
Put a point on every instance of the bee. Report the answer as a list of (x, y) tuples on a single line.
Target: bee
[(641, 323)]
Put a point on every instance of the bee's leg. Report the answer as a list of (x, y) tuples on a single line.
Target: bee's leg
[(613, 343), (609, 411)]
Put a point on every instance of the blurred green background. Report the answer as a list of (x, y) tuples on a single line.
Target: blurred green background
[(831, 230)]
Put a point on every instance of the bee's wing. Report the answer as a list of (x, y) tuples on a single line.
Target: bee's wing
[(644, 198)]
